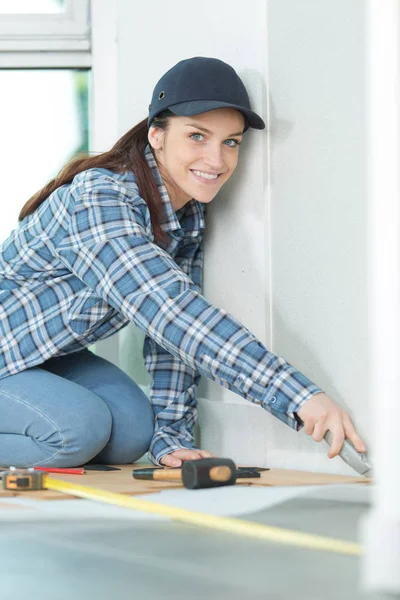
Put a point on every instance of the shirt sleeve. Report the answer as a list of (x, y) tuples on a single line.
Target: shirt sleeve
[(109, 246), (174, 383)]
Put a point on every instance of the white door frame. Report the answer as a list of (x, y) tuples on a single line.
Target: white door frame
[(380, 528)]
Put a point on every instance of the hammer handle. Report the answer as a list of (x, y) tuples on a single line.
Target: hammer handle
[(171, 474), (218, 473)]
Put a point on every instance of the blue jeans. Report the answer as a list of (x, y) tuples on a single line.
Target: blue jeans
[(72, 410)]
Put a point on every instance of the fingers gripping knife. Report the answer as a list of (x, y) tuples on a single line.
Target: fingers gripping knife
[(358, 461)]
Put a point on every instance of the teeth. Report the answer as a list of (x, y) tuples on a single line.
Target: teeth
[(205, 175)]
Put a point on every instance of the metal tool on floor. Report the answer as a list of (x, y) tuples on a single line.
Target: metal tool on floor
[(201, 473), (28, 479)]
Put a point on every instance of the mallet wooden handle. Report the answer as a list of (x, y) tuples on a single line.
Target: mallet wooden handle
[(175, 474), (220, 473), (172, 474)]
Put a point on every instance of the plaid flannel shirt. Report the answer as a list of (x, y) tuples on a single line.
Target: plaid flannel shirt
[(85, 264)]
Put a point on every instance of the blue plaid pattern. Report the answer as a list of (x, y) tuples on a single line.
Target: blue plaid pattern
[(85, 264)]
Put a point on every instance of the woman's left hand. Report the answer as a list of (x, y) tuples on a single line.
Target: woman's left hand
[(321, 414), (178, 457)]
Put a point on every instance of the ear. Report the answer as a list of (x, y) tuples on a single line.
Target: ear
[(155, 137)]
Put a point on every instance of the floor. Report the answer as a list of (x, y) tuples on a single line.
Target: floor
[(77, 549)]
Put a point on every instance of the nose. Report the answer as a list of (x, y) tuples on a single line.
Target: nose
[(213, 157)]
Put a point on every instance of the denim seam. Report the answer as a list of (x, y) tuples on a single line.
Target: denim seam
[(45, 417)]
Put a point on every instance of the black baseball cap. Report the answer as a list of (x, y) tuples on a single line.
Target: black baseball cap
[(199, 84)]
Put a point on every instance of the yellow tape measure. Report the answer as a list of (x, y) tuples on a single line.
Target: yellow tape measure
[(227, 524)]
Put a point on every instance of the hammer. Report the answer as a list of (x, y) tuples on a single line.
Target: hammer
[(198, 474)]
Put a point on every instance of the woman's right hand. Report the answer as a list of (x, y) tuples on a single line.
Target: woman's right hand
[(176, 458), (321, 414)]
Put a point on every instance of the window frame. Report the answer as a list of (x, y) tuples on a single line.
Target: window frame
[(58, 33)]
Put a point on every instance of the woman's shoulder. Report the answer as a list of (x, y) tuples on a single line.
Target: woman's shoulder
[(107, 187), (98, 176), (112, 200)]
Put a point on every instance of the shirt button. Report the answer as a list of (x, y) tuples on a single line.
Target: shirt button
[(240, 378), (273, 400)]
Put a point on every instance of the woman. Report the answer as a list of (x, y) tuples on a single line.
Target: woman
[(116, 238)]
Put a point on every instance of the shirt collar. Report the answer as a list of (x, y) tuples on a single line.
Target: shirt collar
[(191, 216)]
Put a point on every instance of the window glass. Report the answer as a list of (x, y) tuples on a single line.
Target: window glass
[(43, 123), (32, 6)]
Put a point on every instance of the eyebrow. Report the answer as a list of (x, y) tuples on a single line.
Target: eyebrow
[(208, 131)]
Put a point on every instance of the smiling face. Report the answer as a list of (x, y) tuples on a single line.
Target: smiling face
[(196, 155)]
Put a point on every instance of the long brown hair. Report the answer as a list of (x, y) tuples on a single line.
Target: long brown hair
[(128, 152)]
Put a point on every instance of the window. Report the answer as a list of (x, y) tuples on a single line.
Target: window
[(45, 80), (31, 6), (44, 120)]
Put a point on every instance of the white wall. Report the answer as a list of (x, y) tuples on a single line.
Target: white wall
[(318, 204), (306, 217), (236, 248)]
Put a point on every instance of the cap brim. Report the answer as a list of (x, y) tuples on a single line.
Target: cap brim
[(186, 109)]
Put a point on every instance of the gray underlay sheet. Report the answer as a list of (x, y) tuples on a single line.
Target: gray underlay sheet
[(234, 501), (63, 549)]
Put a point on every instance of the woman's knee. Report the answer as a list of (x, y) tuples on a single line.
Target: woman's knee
[(50, 421), (88, 433), (131, 412), (132, 432), (82, 433)]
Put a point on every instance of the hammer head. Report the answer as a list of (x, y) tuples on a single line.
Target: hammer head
[(208, 472)]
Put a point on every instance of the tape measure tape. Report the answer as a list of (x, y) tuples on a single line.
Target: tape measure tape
[(28, 479)]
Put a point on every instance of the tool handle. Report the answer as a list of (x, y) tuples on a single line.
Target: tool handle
[(158, 474)]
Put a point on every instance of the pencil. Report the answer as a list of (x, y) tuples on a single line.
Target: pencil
[(60, 470)]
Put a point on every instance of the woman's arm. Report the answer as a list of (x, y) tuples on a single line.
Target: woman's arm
[(107, 246), (174, 384)]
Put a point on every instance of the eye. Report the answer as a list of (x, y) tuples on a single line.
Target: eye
[(194, 134), (235, 143), (231, 143)]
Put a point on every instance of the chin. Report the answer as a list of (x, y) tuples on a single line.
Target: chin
[(200, 197), (205, 200)]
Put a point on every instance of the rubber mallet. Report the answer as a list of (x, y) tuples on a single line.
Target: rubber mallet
[(195, 474)]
